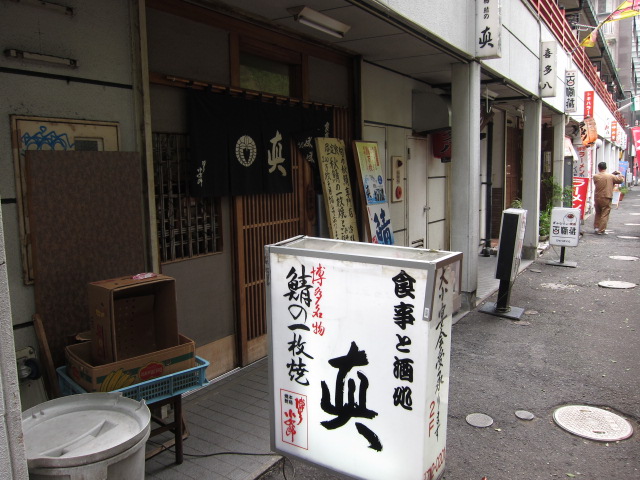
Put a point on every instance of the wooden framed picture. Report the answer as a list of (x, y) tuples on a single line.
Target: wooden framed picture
[(338, 200), (372, 180), (41, 133)]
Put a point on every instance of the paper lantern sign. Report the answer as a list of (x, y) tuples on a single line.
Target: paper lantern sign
[(588, 131)]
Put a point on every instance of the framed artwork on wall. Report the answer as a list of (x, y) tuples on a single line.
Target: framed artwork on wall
[(59, 134)]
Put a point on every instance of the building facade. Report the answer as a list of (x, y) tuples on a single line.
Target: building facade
[(467, 103)]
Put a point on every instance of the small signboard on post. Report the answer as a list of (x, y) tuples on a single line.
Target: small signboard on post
[(512, 230), (564, 232)]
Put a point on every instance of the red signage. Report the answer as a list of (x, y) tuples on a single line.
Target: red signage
[(588, 103), (441, 140), (152, 370), (580, 190), (614, 131), (636, 138)]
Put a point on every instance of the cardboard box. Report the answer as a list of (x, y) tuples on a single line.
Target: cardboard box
[(131, 317), (113, 376)]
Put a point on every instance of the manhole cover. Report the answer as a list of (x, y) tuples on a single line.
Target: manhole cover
[(623, 257), (629, 237), (593, 423), (616, 284), (524, 415), (479, 420)]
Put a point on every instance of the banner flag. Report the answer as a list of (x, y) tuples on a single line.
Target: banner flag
[(627, 9)]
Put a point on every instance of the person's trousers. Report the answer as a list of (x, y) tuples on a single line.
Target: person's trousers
[(603, 208)]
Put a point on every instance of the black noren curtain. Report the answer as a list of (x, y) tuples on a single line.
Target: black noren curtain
[(242, 147)]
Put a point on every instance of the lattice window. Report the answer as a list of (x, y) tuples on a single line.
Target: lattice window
[(187, 226)]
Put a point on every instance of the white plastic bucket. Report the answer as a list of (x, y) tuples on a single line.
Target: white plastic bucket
[(91, 436)]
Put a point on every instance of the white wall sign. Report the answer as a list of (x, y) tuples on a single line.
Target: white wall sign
[(565, 227), (548, 69), (360, 359), (570, 85), (488, 29)]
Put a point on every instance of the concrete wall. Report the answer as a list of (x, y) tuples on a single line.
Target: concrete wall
[(100, 88), (394, 107), (432, 16), (13, 462), (386, 104)]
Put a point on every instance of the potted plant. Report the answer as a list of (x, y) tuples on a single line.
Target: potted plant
[(623, 189), (556, 193)]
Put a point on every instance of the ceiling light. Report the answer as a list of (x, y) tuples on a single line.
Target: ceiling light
[(319, 21), (40, 57)]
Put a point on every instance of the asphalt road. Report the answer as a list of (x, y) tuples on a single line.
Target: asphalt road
[(577, 343)]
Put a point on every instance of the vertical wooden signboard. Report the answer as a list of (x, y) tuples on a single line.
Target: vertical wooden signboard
[(336, 186), (372, 181)]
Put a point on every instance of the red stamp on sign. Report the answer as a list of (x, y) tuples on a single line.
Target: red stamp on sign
[(293, 419)]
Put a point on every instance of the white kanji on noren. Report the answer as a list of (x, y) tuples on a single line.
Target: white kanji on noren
[(276, 159), (201, 173)]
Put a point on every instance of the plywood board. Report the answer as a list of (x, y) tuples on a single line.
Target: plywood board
[(85, 211)]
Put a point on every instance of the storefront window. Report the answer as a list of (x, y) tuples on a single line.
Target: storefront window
[(188, 226), (264, 75)]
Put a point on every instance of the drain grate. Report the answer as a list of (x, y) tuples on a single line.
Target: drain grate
[(593, 423)]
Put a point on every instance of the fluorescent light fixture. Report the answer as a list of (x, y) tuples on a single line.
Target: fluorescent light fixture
[(56, 7), (319, 21), (40, 57)]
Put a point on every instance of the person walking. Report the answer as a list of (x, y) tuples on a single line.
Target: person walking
[(603, 183)]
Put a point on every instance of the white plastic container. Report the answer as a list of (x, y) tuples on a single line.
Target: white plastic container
[(92, 436)]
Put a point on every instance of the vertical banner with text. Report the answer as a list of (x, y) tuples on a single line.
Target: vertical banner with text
[(488, 29), (548, 69), (570, 79), (580, 192), (588, 103)]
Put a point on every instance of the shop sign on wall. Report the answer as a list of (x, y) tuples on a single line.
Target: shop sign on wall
[(488, 29), (580, 166), (397, 179), (570, 80), (588, 103), (336, 186), (548, 69), (372, 180)]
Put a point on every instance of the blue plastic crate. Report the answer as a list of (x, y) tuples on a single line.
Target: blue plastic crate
[(152, 390)]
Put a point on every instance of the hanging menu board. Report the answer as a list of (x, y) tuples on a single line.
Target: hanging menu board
[(372, 182), (336, 186)]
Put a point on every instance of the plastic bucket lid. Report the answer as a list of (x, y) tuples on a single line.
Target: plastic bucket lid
[(82, 429)]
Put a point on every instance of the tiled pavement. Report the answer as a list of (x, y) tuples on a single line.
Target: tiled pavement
[(231, 414)]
